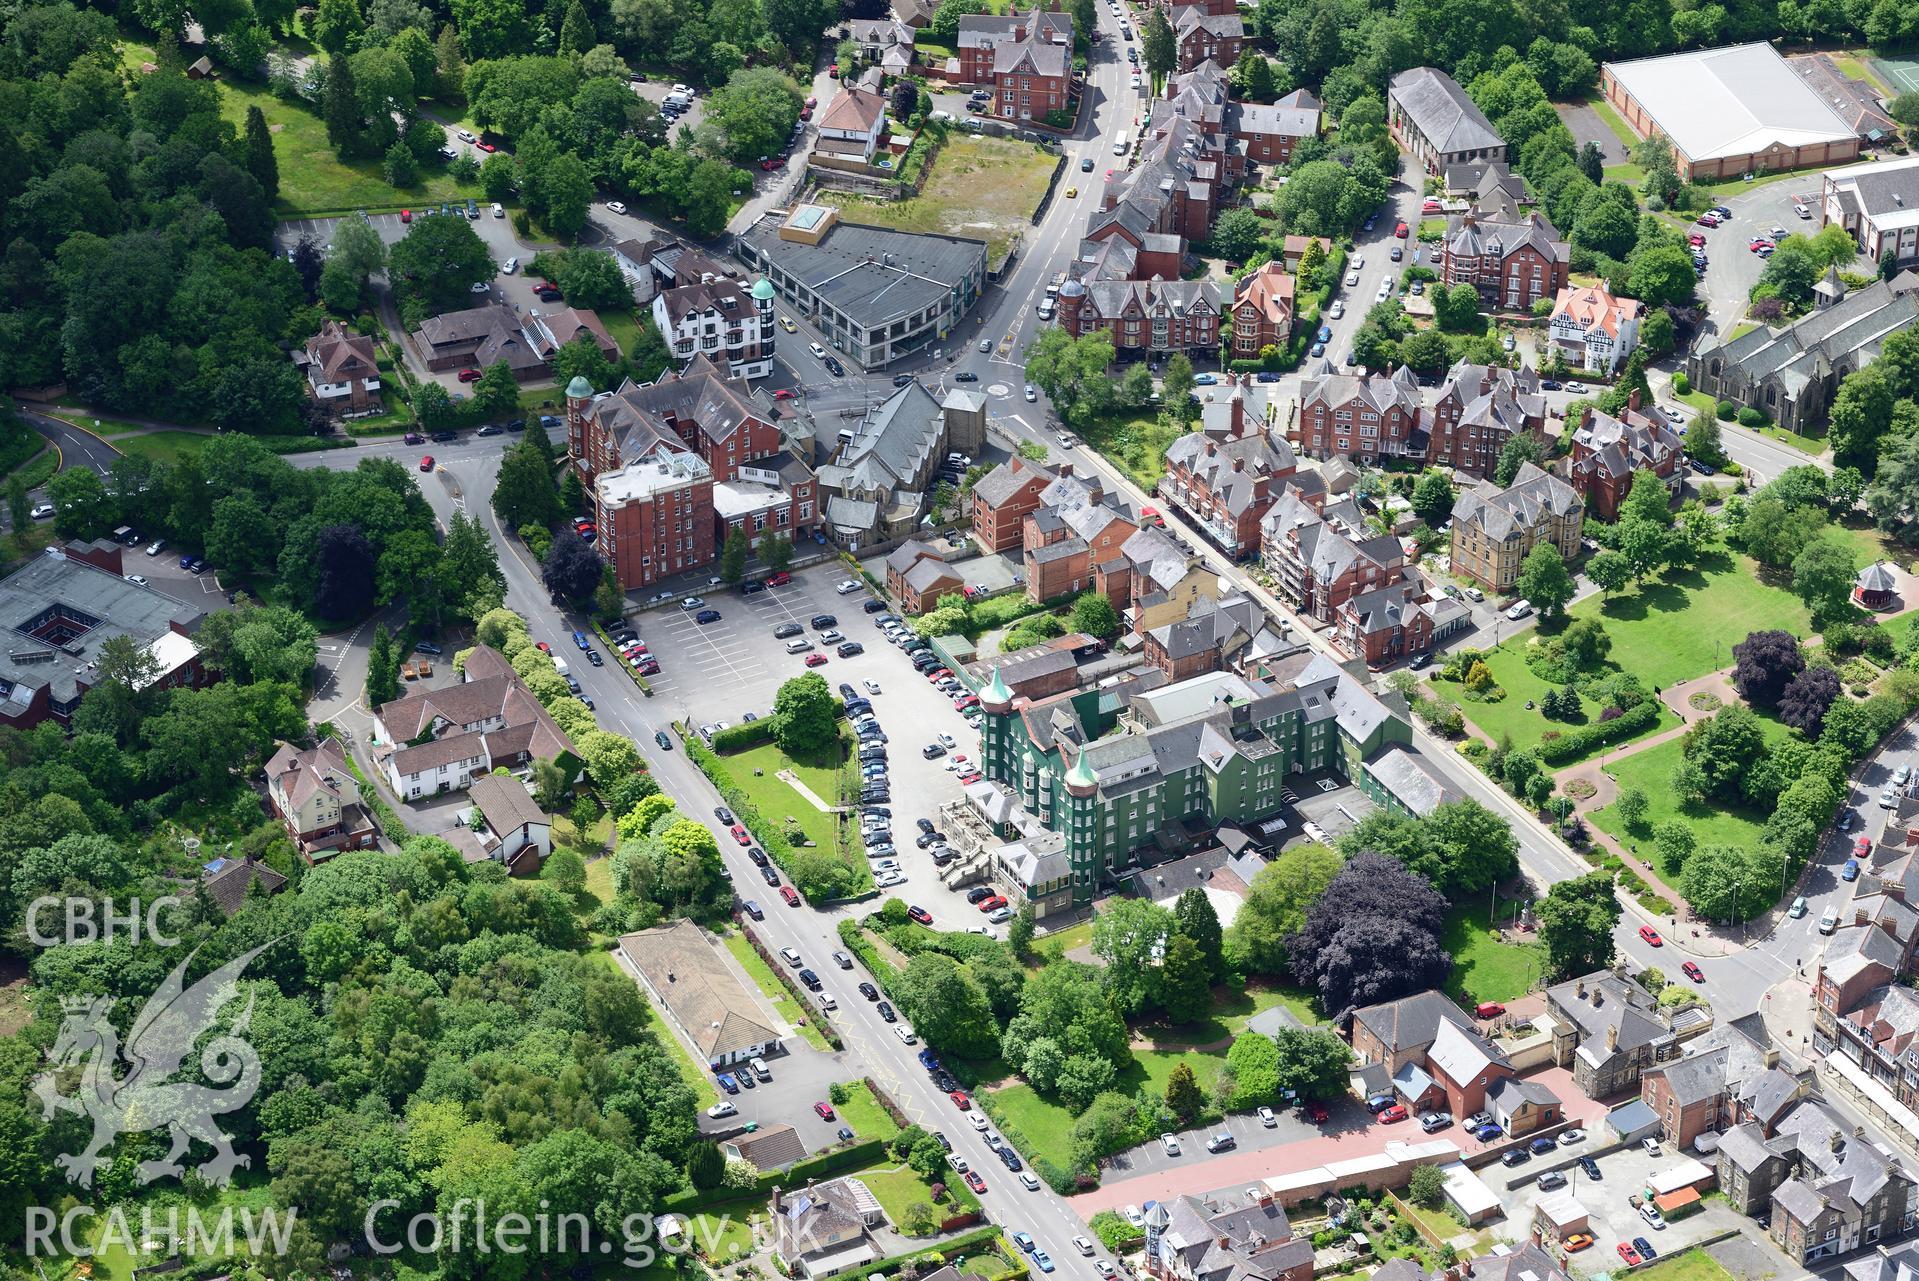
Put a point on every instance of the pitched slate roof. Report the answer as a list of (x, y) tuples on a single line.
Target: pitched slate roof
[(1533, 496), (686, 967), (505, 803), (1442, 112), (1618, 447), (1411, 1022)]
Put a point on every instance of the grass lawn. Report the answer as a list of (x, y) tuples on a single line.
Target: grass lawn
[(1693, 1265), (1048, 1126), (1856, 69), (599, 879), (899, 1186), (164, 446), (986, 188), (1610, 118), (1135, 445), (1233, 1009), (1873, 545), (1651, 772), (728, 1234), (1485, 966), (863, 1112), (1510, 717), (1686, 623), (775, 992), (1072, 936), (1804, 444), (38, 469), (623, 327), (1631, 175), (773, 798)]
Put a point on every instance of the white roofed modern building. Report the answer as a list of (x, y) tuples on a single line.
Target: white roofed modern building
[(1729, 112)]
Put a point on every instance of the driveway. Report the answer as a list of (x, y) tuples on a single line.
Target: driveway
[(1623, 1172), (1586, 126)]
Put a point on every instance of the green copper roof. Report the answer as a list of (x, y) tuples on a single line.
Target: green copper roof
[(762, 290), (997, 691), (1081, 775), (579, 388)]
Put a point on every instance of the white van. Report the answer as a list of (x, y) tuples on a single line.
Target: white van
[(759, 1067), (1119, 145), (1519, 610), (559, 665)]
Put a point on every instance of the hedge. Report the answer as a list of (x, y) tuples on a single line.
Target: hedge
[(613, 652), (771, 838), (948, 1251), (858, 1154), (1599, 734), (854, 936), (738, 738)]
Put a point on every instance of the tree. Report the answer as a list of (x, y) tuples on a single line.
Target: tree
[(19, 507), (1426, 1186), (1456, 308), (1703, 442), (1176, 383), (1724, 747), (945, 1003), (399, 166), (524, 493), (733, 556), (755, 111), (1193, 916), (1631, 806), (776, 552), (1253, 78), (1521, 448), (566, 192), (571, 572), (1185, 988), (1311, 1063), (260, 162), (1253, 1059), (1019, 934), (1723, 883), (1609, 571), (1159, 51), (497, 393), (1094, 615), (1129, 939), (1183, 1095), (382, 669), (1276, 905), (1576, 922), (805, 717), (1433, 498), (1237, 234), (1764, 664), (344, 562), (1823, 575), (1543, 580), (1806, 700), (435, 266), (1372, 936), (1586, 642)]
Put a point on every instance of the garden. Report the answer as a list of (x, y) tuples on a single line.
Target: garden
[(983, 188), (1488, 964)]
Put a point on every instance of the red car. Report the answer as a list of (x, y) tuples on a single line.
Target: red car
[(1489, 1009), (1651, 936), (1862, 848), (1397, 1112), (740, 834), (919, 915), (816, 660), (806, 113), (967, 780), (543, 647), (937, 675), (791, 895), (780, 579), (1759, 243), (824, 1111), (406, 215), (1696, 240), (960, 1100), (1318, 1113), (1431, 206), (834, 71), (1400, 231), (965, 701), (469, 375), (1692, 971), (769, 165), (426, 464), (785, 393), (974, 1181), (992, 903), (487, 147), (812, 102), (1630, 1255), (1707, 219)]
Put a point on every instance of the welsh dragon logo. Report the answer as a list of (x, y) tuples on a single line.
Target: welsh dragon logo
[(147, 1098)]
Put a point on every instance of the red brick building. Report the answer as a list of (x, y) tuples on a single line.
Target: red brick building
[(1361, 417), (1479, 409), (1263, 310), (1026, 59), (1322, 555), (1075, 531), (1271, 132), (1608, 452), (1145, 317), (673, 465), (1200, 35), (1512, 264), (1388, 624), (1003, 497), (1228, 482), (917, 576)]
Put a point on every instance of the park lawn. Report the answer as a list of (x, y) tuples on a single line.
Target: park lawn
[(1072, 936), (1511, 718), (982, 188), (1136, 444), (1813, 445), (775, 800), (1685, 623), (313, 180), (1048, 1126), (1874, 545), (164, 446), (897, 1187), (1233, 1009), (1901, 627), (775, 991), (1651, 772), (1692, 1265), (863, 1112), (699, 1079), (1485, 966)]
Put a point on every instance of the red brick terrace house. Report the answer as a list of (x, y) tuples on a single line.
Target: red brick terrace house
[(1479, 409), (1145, 317), (1512, 264), (1228, 485), (1271, 133), (1026, 59), (1203, 36), (1364, 418), (1463, 1066), (1075, 532), (1387, 624), (1322, 555), (1263, 311), (1608, 452), (1003, 498)]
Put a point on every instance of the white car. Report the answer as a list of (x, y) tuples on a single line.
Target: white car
[(137, 579), (41, 511), (827, 1002), (1032, 393), (1352, 278), (1105, 1269), (979, 1121), (905, 1034), (1267, 1119), (615, 206), (157, 546), (1574, 1135), (467, 136), (790, 955), (693, 602), (1084, 1246), (1357, 260), (846, 586), (946, 740), (477, 287), (872, 687), (499, 210), (1134, 1217), (1337, 310), (819, 352), (1027, 1181), (1902, 776), (722, 1108), (888, 880), (1651, 1146), (510, 266), (1171, 1143)]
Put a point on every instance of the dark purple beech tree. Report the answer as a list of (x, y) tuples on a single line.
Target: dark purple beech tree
[(1764, 664), (1372, 936)]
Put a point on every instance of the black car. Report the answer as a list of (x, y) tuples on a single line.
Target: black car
[(771, 877), (979, 893), (1645, 1248), (879, 811), (1552, 1179), (870, 992), (850, 649), (491, 429), (932, 752), (1514, 1156), (848, 693), (946, 1144), (723, 814), (835, 368), (707, 616), (966, 376), (1420, 659), (874, 606), (518, 424), (810, 980), (752, 586), (593, 657), (1009, 1158), (1589, 1167), (1549, 384), (757, 854), (928, 838), (785, 630), (886, 1012), (900, 380), (754, 910), (823, 621), (660, 737)]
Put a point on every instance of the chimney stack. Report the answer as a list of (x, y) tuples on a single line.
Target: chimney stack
[(1612, 1037)]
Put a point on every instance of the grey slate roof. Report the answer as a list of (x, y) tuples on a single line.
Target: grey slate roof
[(1532, 497), (875, 275), (51, 586), (1408, 779), (1411, 1022), (1851, 330), (1442, 112)]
